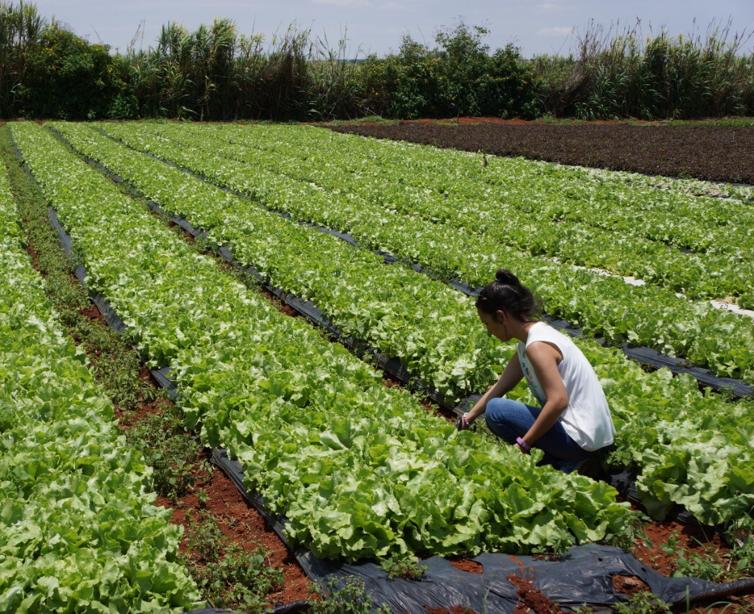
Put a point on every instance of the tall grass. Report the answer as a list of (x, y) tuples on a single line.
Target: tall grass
[(622, 72)]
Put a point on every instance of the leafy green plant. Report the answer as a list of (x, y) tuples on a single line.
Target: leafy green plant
[(281, 168), (711, 563), (702, 565), (202, 497), (114, 363), (742, 558), (79, 518), (643, 602), (602, 207), (346, 597), (671, 544), (434, 330), (404, 566)]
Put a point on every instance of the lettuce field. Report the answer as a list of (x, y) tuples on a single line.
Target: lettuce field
[(316, 261)]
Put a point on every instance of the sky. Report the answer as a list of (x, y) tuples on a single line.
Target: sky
[(377, 26)]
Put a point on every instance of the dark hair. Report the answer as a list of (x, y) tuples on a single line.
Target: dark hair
[(507, 294)]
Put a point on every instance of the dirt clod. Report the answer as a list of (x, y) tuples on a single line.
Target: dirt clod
[(531, 599), (467, 565), (629, 585)]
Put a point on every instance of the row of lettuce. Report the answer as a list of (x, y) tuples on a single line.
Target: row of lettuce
[(359, 469), (79, 530), (431, 327), (677, 438), (601, 305), (596, 197), (531, 208)]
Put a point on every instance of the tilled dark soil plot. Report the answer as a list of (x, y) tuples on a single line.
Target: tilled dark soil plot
[(705, 152)]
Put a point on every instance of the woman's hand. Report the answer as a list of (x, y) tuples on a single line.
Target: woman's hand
[(465, 421), (511, 375)]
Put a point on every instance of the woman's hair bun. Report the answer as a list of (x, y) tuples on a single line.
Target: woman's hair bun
[(507, 294), (504, 276)]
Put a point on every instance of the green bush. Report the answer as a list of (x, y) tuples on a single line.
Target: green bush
[(217, 73)]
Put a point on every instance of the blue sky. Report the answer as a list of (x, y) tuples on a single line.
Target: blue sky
[(537, 26)]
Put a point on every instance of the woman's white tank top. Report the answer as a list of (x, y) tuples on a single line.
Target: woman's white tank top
[(587, 418)]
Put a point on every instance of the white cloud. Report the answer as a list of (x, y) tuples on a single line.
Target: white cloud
[(556, 31)]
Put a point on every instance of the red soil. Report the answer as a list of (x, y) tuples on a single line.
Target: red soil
[(518, 562), (288, 310), (280, 305), (34, 256), (129, 419), (242, 525), (531, 599), (688, 540), (515, 121), (716, 153), (492, 120), (93, 313), (467, 565), (390, 382), (464, 121)]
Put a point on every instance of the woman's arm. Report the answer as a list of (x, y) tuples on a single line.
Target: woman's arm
[(507, 381), (544, 358)]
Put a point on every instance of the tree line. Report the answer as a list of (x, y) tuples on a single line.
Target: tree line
[(218, 73)]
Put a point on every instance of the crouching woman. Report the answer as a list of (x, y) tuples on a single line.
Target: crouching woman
[(573, 420)]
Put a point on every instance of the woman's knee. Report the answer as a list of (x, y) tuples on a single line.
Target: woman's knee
[(503, 411)]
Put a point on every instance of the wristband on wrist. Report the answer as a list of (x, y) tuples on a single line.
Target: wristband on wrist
[(523, 445)]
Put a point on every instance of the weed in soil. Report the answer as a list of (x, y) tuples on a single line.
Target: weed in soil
[(170, 449), (643, 602), (684, 550), (406, 566), (227, 575), (347, 597)]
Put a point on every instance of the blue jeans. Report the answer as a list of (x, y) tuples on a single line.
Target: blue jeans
[(510, 419)]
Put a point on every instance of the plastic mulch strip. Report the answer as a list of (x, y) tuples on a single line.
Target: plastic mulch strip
[(583, 575)]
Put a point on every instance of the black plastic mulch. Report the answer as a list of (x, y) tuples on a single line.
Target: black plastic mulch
[(715, 153)]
